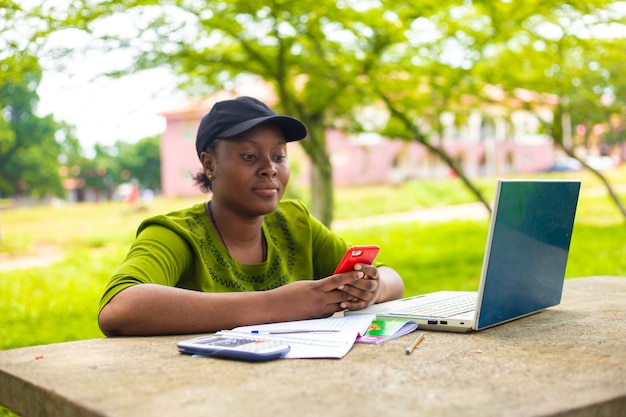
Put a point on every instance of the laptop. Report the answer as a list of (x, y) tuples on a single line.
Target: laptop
[(523, 267)]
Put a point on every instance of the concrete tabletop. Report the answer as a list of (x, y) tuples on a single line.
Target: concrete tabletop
[(567, 360)]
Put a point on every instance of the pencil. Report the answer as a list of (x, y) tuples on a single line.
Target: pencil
[(414, 343)]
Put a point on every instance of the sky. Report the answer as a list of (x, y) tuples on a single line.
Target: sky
[(105, 110)]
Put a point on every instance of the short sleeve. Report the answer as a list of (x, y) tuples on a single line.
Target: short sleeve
[(158, 256)]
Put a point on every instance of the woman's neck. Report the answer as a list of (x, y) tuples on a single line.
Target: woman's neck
[(242, 238)]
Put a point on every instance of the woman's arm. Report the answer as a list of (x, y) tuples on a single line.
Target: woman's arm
[(152, 309), (392, 286)]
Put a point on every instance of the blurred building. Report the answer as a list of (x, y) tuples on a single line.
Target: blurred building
[(498, 138)]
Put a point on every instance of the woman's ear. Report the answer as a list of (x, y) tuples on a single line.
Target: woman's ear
[(207, 160)]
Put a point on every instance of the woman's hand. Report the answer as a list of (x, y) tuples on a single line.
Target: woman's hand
[(311, 299), (375, 285), (365, 290)]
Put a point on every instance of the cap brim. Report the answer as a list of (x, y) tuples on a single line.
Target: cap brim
[(293, 129)]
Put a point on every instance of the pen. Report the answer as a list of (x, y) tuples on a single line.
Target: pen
[(414, 343), (288, 331)]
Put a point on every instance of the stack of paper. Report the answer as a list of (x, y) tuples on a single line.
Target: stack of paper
[(318, 338)]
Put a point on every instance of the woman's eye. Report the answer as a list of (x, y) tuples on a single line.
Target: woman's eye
[(248, 157), (280, 158)]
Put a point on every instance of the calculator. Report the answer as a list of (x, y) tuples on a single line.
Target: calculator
[(243, 349)]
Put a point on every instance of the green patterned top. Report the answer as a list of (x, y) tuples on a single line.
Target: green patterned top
[(181, 249)]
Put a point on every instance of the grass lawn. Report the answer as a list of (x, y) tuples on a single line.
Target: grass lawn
[(56, 303)]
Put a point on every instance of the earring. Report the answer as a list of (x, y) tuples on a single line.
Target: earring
[(210, 176)]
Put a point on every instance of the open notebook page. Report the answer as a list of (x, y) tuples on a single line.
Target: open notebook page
[(304, 341)]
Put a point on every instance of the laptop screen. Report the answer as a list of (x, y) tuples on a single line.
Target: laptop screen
[(527, 248)]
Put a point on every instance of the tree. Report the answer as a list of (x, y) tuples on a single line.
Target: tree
[(313, 53), (142, 160), (31, 147), (418, 80), (567, 52), (29, 150), (327, 60), (449, 58), (119, 163)]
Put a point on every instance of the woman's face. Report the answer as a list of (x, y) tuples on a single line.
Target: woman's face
[(250, 171)]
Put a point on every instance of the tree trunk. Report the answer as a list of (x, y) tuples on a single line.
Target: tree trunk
[(560, 139), (322, 197), (607, 184)]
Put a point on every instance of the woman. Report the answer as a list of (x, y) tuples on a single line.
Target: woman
[(244, 257)]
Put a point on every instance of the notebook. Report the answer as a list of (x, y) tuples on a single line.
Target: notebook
[(523, 267)]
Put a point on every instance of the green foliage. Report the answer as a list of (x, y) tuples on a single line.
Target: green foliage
[(30, 146), (142, 160), (317, 56), (120, 163), (565, 50)]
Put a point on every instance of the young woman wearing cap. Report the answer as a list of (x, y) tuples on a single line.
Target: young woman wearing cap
[(244, 257)]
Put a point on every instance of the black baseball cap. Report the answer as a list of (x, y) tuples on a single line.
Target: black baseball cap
[(230, 118)]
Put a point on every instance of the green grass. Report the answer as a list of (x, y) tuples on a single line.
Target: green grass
[(54, 303), (57, 303)]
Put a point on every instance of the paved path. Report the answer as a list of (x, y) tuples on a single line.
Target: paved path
[(435, 214), (38, 256)]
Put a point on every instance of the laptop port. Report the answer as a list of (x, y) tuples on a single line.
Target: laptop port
[(443, 321), (432, 321)]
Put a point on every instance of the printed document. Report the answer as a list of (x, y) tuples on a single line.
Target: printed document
[(332, 337)]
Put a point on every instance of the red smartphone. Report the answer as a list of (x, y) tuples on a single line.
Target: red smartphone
[(363, 254)]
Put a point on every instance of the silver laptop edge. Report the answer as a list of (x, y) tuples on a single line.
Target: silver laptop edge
[(487, 254)]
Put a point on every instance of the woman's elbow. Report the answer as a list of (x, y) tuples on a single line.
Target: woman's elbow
[(109, 322)]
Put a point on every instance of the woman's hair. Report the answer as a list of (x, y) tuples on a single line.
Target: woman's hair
[(200, 178)]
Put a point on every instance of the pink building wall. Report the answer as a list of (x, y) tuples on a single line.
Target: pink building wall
[(179, 162), (355, 161), (386, 161)]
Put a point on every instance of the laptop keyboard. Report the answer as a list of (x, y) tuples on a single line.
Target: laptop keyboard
[(443, 308)]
